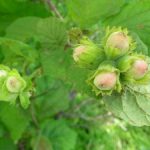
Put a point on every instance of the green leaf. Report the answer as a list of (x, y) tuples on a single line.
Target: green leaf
[(61, 136), (144, 103), (55, 101), (12, 48), (6, 20), (114, 104), (20, 7), (80, 84), (14, 119), (2, 130), (8, 6), (86, 12), (41, 143), (132, 105), (7, 144), (141, 89), (140, 45), (10, 10), (133, 110), (53, 96), (135, 17), (131, 1), (51, 33), (23, 29), (142, 93), (52, 60), (70, 73)]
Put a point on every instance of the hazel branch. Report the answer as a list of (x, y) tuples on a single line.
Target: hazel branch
[(53, 8)]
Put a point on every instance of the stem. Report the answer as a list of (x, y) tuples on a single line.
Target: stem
[(54, 9), (43, 93), (36, 73)]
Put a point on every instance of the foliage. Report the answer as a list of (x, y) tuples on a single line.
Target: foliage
[(52, 105)]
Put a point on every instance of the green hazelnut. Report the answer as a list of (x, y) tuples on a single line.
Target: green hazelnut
[(105, 81), (14, 84), (118, 40), (139, 68)]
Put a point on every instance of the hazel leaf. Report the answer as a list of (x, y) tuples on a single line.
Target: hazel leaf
[(114, 104), (133, 110)]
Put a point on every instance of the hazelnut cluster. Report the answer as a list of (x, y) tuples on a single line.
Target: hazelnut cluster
[(113, 61), (12, 85)]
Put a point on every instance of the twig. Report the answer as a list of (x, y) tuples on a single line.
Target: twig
[(54, 9), (85, 117), (84, 102), (43, 93), (94, 118)]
